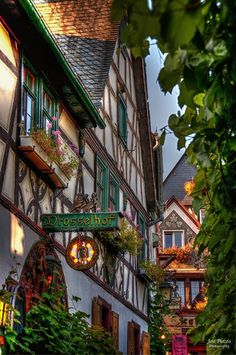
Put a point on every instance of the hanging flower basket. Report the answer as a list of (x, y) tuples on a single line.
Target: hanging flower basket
[(50, 155), (127, 239)]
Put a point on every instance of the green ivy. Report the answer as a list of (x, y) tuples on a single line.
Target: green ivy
[(200, 39), (52, 329), (160, 337)]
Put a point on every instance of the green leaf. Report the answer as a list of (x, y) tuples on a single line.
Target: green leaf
[(198, 99), (186, 96), (181, 142), (179, 23), (168, 79), (162, 138)]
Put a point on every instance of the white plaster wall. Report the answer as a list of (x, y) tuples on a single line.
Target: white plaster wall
[(106, 104), (114, 110), (2, 146), (108, 136), (89, 157), (7, 92), (122, 66), (88, 182), (27, 239), (112, 77), (9, 178)]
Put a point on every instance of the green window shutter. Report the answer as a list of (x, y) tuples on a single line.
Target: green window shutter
[(122, 119), (101, 184), (113, 202)]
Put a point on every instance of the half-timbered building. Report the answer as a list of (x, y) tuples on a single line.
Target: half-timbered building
[(177, 255), (64, 84)]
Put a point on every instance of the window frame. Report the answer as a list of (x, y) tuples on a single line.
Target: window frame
[(200, 286), (122, 120), (102, 185), (26, 90), (38, 120), (142, 230), (184, 289), (115, 200), (166, 231)]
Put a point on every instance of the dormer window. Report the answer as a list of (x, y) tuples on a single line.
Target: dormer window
[(173, 239)]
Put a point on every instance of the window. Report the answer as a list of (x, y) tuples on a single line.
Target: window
[(133, 338), (29, 100), (101, 183), (142, 228), (48, 111), (113, 200), (195, 287), (173, 239), (103, 316), (122, 119), (38, 107), (181, 291)]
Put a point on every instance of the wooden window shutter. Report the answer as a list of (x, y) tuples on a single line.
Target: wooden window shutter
[(115, 329), (145, 343), (130, 339), (96, 312)]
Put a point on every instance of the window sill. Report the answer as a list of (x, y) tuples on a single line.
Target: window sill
[(34, 153)]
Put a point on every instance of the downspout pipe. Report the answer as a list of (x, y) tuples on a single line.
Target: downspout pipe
[(37, 21)]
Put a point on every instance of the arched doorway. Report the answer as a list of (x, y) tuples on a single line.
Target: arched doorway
[(42, 270)]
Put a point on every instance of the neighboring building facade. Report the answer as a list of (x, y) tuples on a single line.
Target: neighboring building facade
[(176, 254), (60, 74)]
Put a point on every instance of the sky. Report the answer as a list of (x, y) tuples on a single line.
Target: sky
[(161, 107)]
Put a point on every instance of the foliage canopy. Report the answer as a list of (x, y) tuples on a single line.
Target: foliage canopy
[(200, 38)]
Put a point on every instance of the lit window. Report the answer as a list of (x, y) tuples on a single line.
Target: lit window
[(173, 239), (195, 288)]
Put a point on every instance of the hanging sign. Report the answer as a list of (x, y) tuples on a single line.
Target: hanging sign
[(179, 344), (81, 253), (62, 222)]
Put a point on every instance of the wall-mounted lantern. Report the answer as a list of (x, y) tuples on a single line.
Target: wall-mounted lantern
[(166, 290), (4, 307)]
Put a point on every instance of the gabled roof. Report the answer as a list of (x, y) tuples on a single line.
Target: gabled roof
[(174, 182), (84, 32), (184, 209)]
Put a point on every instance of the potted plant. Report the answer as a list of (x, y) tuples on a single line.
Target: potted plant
[(50, 154), (127, 239)]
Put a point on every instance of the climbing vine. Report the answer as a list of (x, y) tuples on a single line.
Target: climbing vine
[(200, 39)]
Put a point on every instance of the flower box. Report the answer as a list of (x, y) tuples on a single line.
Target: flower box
[(33, 152)]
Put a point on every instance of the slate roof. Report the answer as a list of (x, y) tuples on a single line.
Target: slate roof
[(86, 35), (174, 182)]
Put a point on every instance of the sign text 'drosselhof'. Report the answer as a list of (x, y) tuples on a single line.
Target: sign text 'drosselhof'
[(62, 222)]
